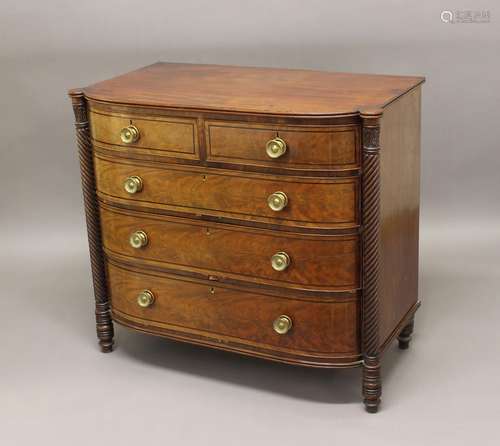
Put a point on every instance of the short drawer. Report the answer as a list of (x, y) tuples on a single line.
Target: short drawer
[(183, 305), (171, 137), (305, 202), (316, 262), (295, 148)]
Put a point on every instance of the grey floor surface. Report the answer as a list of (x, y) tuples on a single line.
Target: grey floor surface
[(56, 388)]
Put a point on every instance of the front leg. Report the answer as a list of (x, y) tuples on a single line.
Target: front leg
[(372, 383)]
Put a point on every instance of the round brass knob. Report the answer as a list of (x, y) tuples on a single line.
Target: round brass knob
[(277, 201), (133, 184), (280, 261), (145, 298), (138, 239), (275, 147), (282, 324), (129, 134)]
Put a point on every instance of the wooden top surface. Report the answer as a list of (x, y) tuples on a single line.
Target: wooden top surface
[(252, 90)]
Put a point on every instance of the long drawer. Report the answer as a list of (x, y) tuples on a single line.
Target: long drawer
[(297, 201), (183, 305), (314, 262)]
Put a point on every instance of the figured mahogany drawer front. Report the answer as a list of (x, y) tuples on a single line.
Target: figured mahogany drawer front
[(305, 261), (307, 202), (310, 148), (191, 306), (171, 137)]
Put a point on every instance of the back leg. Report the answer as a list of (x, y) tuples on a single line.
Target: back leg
[(404, 337)]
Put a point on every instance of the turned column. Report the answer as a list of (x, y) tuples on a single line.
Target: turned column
[(372, 385), (104, 323)]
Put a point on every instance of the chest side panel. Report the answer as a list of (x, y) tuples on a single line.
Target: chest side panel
[(399, 211)]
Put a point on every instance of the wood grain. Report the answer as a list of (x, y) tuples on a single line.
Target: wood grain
[(311, 148), (317, 262), (351, 174), (322, 203), (252, 90), (222, 313), (399, 210), (172, 137)]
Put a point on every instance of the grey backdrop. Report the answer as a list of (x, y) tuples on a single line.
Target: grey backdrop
[(56, 387)]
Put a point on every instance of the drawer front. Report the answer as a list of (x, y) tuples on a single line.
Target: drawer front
[(180, 304), (310, 261), (172, 137), (306, 148), (321, 203)]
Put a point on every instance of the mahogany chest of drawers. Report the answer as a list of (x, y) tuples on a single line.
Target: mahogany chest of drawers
[(268, 212)]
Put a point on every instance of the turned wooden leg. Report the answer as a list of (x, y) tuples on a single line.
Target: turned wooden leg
[(372, 384), (104, 327), (104, 322), (404, 337)]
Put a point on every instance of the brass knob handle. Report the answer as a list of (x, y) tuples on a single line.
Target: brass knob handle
[(145, 299), (282, 324), (275, 148), (280, 261), (133, 184), (277, 201), (129, 134), (138, 239)]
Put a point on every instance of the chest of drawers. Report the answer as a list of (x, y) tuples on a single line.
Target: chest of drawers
[(268, 212)]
